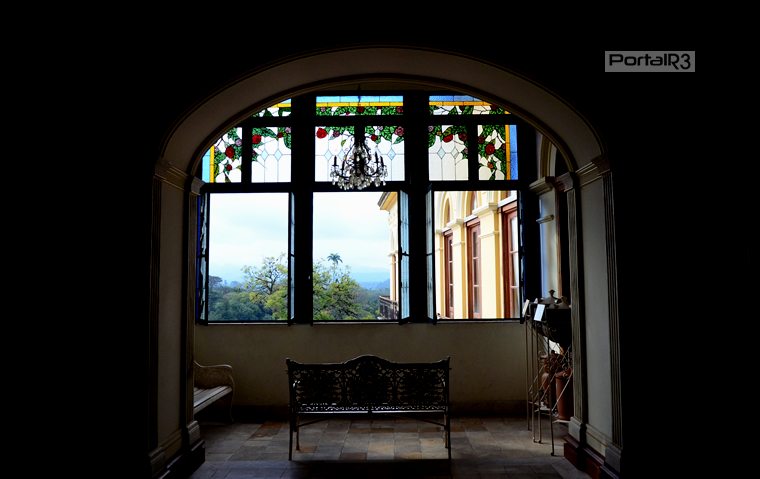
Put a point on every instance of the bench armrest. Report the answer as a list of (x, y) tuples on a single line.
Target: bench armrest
[(213, 376)]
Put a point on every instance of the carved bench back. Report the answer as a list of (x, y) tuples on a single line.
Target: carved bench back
[(369, 382)]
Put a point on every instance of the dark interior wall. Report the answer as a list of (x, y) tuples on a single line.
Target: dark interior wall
[(647, 122)]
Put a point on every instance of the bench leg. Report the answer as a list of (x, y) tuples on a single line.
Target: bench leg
[(293, 428), (448, 434)]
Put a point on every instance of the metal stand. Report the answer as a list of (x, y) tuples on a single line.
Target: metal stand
[(542, 402)]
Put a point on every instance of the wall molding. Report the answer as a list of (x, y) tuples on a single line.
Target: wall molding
[(597, 440), (153, 314), (159, 457), (588, 173), (171, 175), (614, 320), (542, 185), (565, 182)]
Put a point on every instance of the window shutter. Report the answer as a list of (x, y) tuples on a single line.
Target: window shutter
[(201, 267), (291, 259), (403, 213), (429, 256)]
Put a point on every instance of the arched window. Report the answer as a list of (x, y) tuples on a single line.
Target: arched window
[(289, 231)]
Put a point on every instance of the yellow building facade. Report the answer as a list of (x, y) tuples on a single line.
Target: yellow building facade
[(476, 241)]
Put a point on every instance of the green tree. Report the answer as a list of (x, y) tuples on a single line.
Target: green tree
[(267, 286), (334, 258)]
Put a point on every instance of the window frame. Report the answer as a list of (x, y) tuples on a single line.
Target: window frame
[(417, 294), (474, 288), (448, 261), (507, 213)]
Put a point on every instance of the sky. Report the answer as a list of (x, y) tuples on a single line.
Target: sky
[(245, 228)]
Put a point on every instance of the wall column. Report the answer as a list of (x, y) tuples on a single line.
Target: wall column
[(567, 183), (613, 452)]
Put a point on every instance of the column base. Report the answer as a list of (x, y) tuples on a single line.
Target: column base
[(587, 460)]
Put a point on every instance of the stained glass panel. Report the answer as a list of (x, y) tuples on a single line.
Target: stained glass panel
[(462, 105), (278, 109), (224, 159), (332, 141), (359, 105), (447, 152), (497, 152), (271, 154)]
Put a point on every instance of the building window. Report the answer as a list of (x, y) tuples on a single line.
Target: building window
[(474, 270), (511, 248), (448, 248), (338, 255)]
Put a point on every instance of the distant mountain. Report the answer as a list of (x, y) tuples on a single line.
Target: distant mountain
[(373, 285)]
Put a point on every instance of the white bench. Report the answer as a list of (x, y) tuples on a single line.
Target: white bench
[(212, 384)]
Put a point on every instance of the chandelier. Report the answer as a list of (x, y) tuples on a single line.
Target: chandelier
[(358, 169)]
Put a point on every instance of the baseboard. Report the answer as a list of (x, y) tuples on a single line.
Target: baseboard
[(587, 460)]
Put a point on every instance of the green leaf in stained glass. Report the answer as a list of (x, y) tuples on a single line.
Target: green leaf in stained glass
[(399, 139), (233, 134), (287, 140), (467, 110), (387, 132)]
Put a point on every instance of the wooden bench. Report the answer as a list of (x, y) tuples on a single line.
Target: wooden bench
[(212, 384), (368, 385)]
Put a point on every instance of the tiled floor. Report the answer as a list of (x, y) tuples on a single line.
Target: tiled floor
[(392, 448)]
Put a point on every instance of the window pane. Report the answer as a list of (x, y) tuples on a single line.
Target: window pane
[(271, 154), (462, 105), (447, 152), (497, 152), (360, 105), (224, 159), (333, 142), (248, 269), (470, 255), (278, 109), (354, 247)]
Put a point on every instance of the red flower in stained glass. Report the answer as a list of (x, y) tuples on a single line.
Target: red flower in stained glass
[(321, 133), (490, 149), (359, 109), (279, 134), (481, 139), (229, 152), (228, 167), (463, 136), (256, 139), (490, 165), (448, 138), (373, 137)]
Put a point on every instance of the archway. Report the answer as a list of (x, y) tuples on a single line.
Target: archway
[(589, 199)]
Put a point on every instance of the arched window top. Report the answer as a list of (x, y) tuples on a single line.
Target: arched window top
[(446, 212), (472, 204), (468, 138)]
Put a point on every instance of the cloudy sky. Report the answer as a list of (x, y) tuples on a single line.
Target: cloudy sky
[(245, 228)]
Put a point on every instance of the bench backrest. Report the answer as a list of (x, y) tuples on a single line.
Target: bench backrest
[(371, 382)]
